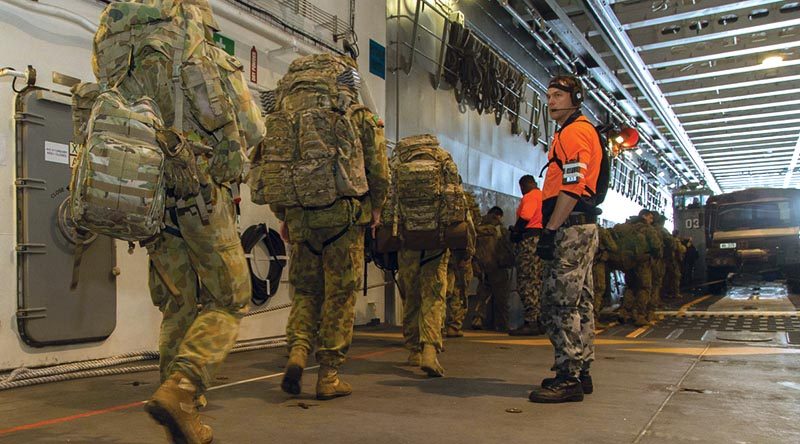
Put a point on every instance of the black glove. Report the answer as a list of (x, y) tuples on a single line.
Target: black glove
[(546, 248)]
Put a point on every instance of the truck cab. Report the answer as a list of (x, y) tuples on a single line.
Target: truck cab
[(754, 231)]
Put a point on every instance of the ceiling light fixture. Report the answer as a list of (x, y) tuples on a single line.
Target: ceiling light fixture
[(772, 61)]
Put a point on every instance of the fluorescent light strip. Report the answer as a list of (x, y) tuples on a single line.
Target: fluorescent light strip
[(744, 126), (741, 108), (751, 139), (737, 98), (748, 133), (731, 86), (740, 118)]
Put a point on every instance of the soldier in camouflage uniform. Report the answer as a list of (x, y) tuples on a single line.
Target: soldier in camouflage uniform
[(526, 234), (664, 241), (641, 245), (327, 263), (494, 257), (459, 276), (672, 279), (198, 272), (605, 248), (422, 272)]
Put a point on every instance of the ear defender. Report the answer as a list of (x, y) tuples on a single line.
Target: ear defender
[(577, 95)]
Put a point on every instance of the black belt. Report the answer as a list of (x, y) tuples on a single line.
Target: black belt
[(579, 219)]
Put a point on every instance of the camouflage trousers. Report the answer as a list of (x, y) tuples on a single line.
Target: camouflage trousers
[(325, 287), (529, 278), (567, 312), (422, 278), (672, 280), (492, 288), (600, 278), (638, 286), (458, 280), (207, 266), (658, 281)]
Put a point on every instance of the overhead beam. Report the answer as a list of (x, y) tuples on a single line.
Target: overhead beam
[(715, 54), (734, 85), (718, 99), (737, 109), (744, 125), (728, 72), (743, 27), (733, 142), (792, 165), (729, 135), (680, 11)]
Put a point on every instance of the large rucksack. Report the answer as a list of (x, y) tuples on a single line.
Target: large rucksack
[(493, 250), (428, 205), (311, 155)]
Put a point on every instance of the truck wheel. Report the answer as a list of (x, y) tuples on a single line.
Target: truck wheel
[(717, 274)]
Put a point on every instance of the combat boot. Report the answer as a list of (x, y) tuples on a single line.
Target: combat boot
[(298, 356), (173, 406), (585, 377), (430, 364), (329, 385), (563, 389), (415, 358), (453, 332), (527, 329)]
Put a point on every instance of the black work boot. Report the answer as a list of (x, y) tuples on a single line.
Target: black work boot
[(586, 382), (561, 390)]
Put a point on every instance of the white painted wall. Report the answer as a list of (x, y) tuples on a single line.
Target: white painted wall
[(55, 44)]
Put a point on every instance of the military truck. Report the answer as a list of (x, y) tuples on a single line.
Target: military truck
[(753, 231)]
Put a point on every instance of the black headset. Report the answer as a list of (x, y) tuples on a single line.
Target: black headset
[(575, 93)]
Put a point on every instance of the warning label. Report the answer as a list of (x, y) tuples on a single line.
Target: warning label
[(56, 152)]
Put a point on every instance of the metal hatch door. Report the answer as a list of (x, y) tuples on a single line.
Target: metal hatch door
[(48, 312)]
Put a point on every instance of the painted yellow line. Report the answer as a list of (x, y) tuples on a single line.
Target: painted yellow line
[(638, 332), (716, 351), (686, 307)]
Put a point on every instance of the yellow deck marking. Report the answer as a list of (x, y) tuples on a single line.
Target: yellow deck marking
[(545, 341), (638, 332), (717, 351), (685, 307)]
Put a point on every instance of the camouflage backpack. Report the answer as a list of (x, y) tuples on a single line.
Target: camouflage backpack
[(493, 249), (117, 183), (428, 207), (311, 155)]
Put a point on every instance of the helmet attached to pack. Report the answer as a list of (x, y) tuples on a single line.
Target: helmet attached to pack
[(568, 84)]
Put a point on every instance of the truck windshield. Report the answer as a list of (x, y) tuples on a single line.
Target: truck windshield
[(740, 216)]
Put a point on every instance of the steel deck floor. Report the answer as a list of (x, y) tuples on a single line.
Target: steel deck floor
[(646, 390)]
